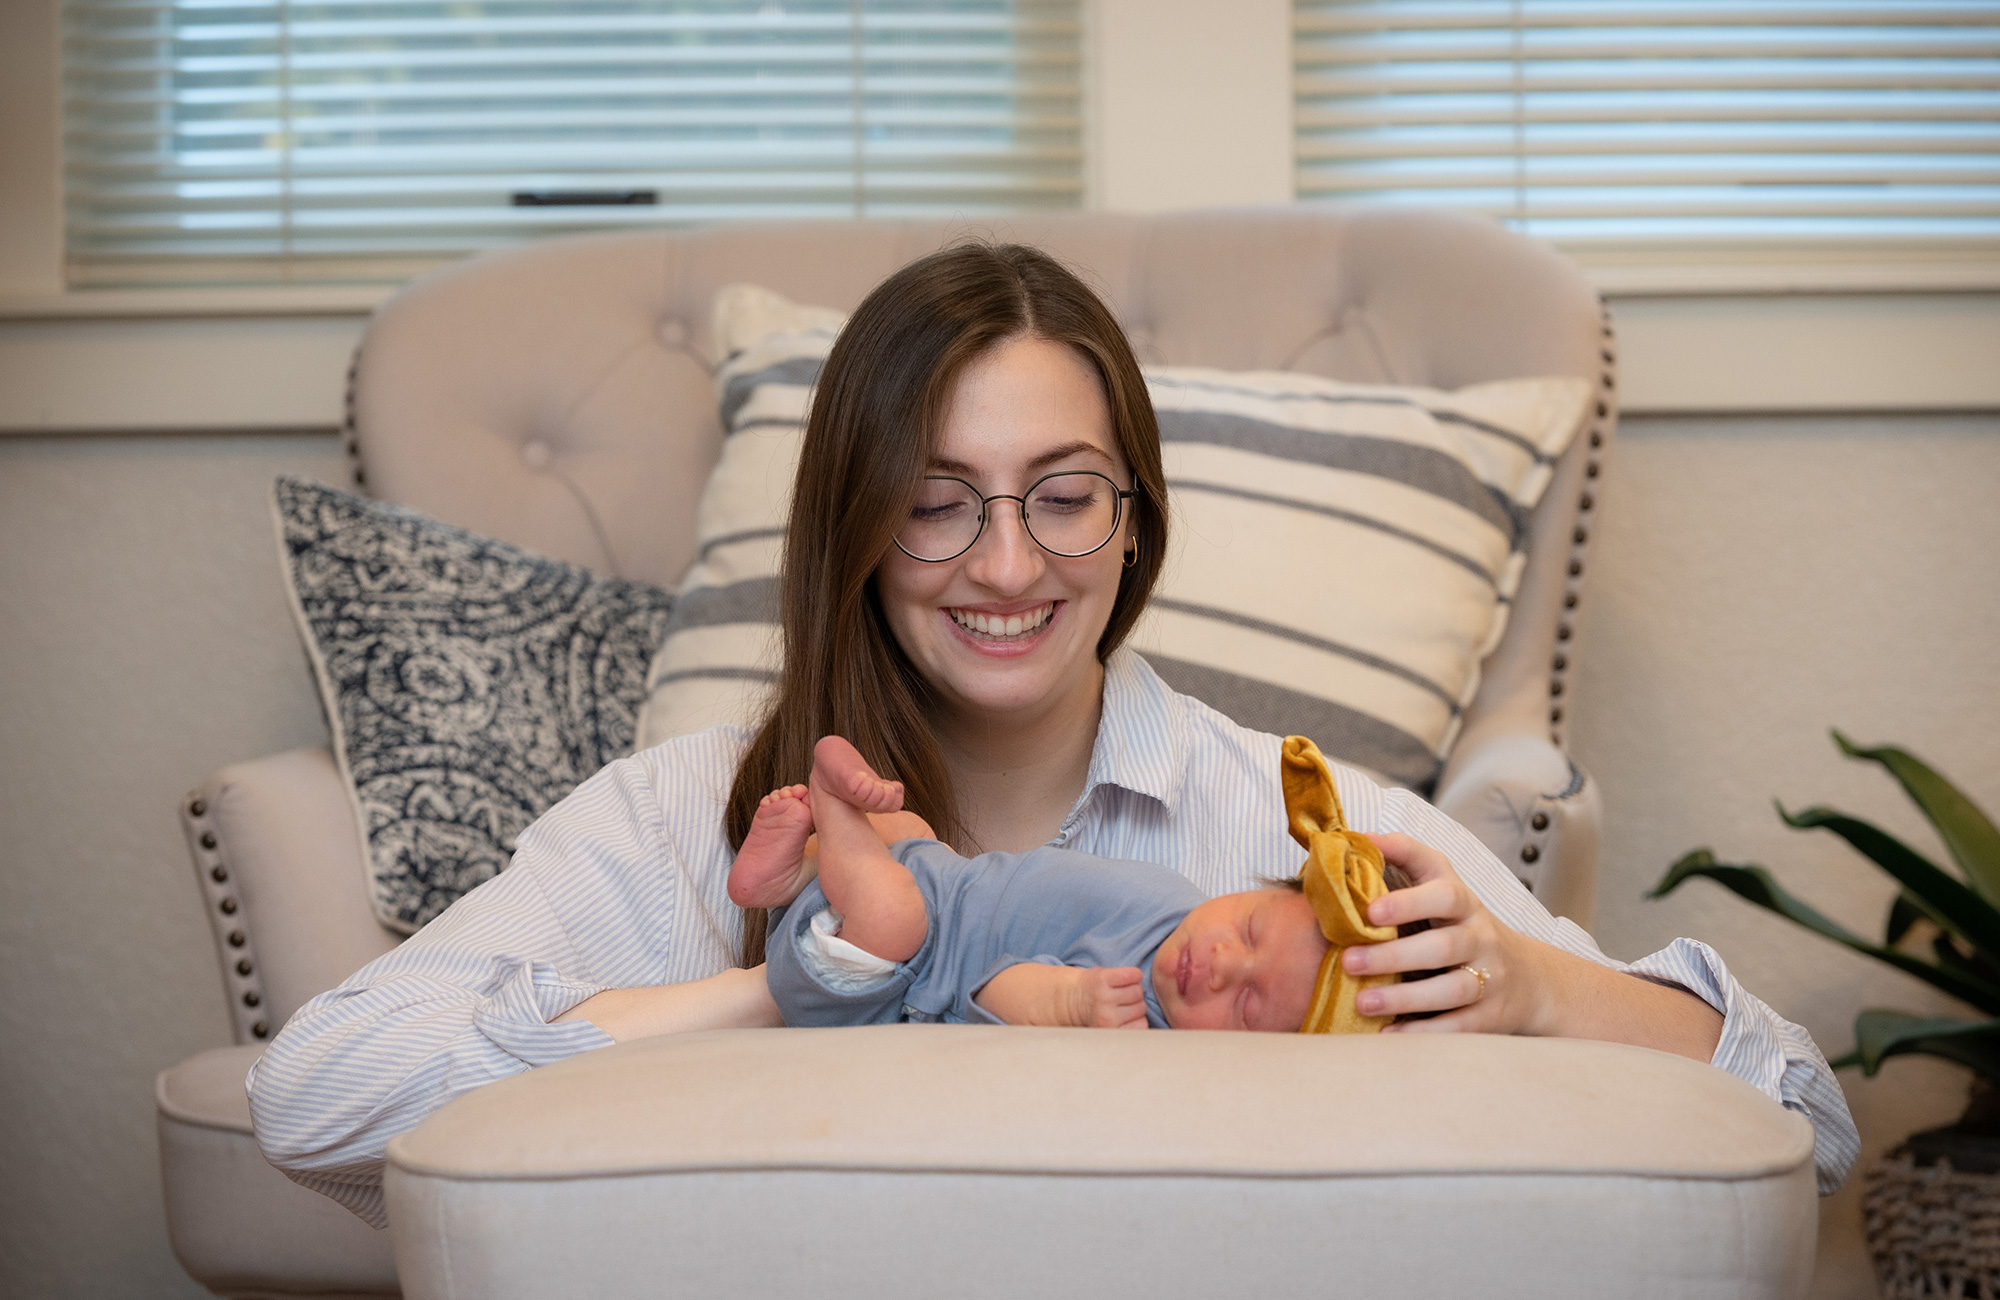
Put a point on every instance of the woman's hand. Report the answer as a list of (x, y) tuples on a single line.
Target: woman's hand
[(1464, 938), (1528, 987)]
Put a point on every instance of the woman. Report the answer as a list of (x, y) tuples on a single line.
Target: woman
[(981, 665)]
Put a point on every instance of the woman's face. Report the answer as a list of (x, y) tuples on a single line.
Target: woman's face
[(1027, 408)]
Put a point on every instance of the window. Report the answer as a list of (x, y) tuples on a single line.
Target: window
[(218, 141), (1683, 123)]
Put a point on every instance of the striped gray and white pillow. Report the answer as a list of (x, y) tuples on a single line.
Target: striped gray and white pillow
[(721, 652), (1344, 554)]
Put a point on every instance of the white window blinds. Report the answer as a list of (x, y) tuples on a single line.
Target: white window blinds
[(221, 141), (1687, 121)]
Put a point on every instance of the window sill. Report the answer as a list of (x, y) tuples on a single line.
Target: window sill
[(1668, 274), (195, 304), (271, 359)]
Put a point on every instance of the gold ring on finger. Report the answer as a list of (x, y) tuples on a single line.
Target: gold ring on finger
[(1482, 977)]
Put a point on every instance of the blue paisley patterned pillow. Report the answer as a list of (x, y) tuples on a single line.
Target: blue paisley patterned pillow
[(468, 684)]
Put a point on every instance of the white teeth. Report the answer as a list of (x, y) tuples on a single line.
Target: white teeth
[(997, 625)]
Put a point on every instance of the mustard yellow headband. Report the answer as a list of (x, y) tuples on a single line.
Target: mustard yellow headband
[(1342, 876)]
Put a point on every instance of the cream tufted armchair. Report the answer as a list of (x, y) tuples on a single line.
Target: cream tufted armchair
[(558, 397)]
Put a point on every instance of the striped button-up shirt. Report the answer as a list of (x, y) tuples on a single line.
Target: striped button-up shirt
[(623, 885)]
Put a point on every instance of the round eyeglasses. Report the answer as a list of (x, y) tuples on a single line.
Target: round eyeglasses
[(1069, 514)]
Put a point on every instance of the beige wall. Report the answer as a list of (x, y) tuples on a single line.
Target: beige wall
[(143, 641), (1752, 581)]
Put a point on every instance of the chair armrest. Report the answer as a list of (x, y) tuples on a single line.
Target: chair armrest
[(237, 1225), (1536, 809), (279, 861), (977, 1161)]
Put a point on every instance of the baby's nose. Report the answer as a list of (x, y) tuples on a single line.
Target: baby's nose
[(1225, 966)]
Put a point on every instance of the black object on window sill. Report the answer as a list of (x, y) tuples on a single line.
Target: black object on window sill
[(584, 198)]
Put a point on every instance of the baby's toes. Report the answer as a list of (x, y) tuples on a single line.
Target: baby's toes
[(783, 811)]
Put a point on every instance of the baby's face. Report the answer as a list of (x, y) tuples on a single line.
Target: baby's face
[(1241, 961)]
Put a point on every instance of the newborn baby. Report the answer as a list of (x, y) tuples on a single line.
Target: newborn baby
[(884, 923)]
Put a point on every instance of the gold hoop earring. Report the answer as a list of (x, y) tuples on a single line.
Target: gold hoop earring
[(1132, 554)]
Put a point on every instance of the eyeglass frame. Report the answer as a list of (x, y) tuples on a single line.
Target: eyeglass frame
[(1121, 496)]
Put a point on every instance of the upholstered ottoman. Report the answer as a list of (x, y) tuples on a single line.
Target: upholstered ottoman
[(968, 1161)]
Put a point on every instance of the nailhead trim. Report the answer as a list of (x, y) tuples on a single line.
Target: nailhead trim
[(1600, 434), (349, 431), (242, 986)]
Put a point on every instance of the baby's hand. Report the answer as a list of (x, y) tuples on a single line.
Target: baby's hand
[(1107, 997)]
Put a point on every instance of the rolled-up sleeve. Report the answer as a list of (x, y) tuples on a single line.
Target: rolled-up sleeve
[(1758, 1045), (459, 1005), (598, 896), (1767, 1051)]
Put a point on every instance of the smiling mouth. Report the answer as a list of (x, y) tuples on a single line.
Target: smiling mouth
[(1181, 969), (1004, 627)]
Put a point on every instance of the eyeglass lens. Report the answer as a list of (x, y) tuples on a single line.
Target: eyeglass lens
[(1067, 514)]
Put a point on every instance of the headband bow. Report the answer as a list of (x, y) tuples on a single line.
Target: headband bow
[(1342, 876)]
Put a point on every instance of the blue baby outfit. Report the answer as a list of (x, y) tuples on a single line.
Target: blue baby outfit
[(1052, 906)]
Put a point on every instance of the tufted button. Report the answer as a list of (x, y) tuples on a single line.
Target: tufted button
[(228, 906), (243, 967), (1576, 568), (673, 333), (208, 839), (1562, 662), (1529, 853), (1555, 716), (1562, 632), (1589, 502), (1590, 470), (218, 873), (1556, 687), (1597, 437), (197, 808), (1526, 883), (535, 454), (1540, 821), (1603, 409), (236, 938), (1581, 535), (250, 998), (1569, 602), (260, 1030)]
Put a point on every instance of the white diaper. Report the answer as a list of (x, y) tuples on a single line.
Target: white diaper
[(837, 963)]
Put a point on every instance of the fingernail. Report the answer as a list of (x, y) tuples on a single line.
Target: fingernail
[(1368, 1003), (1355, 960)]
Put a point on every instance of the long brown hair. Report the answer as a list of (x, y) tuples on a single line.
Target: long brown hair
[(877, 416)]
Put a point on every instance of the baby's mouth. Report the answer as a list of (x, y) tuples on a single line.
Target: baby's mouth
[(1003, 627)]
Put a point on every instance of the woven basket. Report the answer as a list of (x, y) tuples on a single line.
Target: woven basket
[(1933, 1231)]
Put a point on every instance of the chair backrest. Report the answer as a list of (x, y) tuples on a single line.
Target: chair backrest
[(558, 396)]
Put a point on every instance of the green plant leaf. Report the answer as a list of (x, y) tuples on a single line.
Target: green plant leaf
[(1880, 1034), (1755, 884), (1904, 912), (1968, 834), (1944, 898)]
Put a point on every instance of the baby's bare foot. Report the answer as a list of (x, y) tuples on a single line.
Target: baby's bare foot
[(1109, 997), (771, 867), (839, 769)]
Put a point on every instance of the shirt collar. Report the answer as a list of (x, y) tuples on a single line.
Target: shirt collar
[(1142, 737)]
